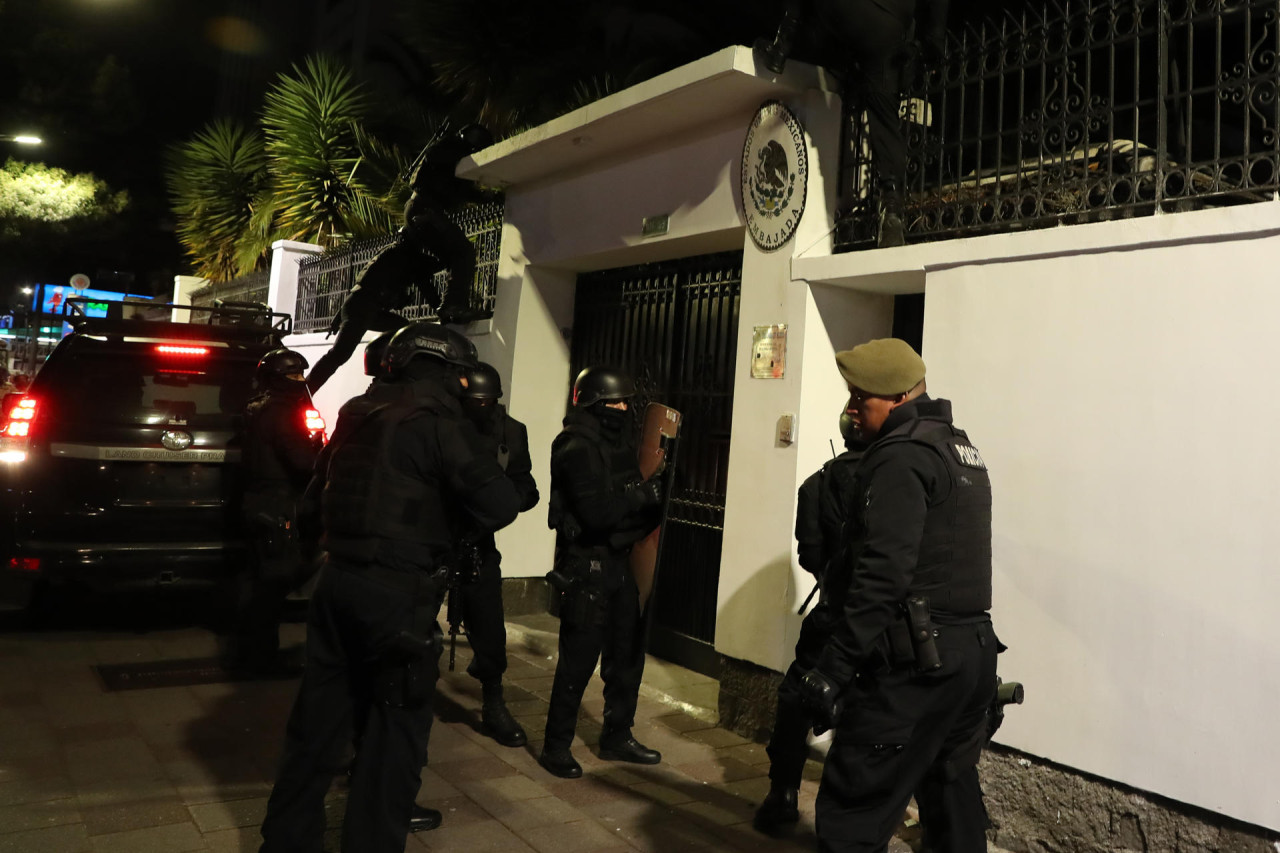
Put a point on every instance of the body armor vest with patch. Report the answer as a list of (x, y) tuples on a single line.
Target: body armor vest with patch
[(953, 569), (366, 499)]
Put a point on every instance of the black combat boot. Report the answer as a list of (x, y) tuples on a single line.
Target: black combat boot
[(621, 746), (560, 762), (460, 315), (773, 54), (422, 819), (778, 812), (498, 722)]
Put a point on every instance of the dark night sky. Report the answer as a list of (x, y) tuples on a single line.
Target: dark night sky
[(110, 85), (177, 65)]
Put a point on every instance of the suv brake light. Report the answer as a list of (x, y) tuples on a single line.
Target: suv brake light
[(15, 435), (315, 423), (182, 350)]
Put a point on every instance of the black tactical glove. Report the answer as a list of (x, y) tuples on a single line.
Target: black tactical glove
[(645, 494), (822, 699)]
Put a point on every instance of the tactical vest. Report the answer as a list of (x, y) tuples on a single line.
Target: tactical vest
[(836, 492), (954, 565), (263, 468), (366, 499), (619, 458)]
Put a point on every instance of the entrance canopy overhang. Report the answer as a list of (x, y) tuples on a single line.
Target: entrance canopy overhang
[(680, 102)]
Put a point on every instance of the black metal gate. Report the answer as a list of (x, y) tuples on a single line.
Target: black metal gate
[(674, 327)]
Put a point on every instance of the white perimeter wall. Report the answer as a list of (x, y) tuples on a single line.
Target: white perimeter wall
[(1126, 403)]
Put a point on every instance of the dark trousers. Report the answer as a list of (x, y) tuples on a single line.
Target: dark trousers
[(428, 228), (615, 640), (352, 626), (788, 747), (486, 624), (364, 310), (906, 733), (871, 47)]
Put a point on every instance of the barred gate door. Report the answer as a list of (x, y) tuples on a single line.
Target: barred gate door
[(674, 327)]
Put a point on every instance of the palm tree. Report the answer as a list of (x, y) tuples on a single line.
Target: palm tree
[(324, 188), (213, 182), (522, 62)]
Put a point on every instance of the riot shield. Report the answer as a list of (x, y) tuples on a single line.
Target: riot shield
[(656, 454)]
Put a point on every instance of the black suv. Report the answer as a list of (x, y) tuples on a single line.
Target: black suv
[(119, 465)]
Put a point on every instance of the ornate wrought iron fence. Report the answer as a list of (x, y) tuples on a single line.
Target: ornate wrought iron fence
[(247, 288), (1082, 111), (323, 281)]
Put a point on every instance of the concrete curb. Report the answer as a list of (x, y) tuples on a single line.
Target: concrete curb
[(546, 644)]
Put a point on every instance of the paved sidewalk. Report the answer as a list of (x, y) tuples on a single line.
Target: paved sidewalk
[(189, 768)]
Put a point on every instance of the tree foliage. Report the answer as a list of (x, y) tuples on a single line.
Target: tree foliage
[(215, 180), (523, 62), (314, 173), (35, 197), (311, 122)]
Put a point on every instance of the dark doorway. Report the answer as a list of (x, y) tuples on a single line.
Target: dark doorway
[(908, 319), (674, 327)]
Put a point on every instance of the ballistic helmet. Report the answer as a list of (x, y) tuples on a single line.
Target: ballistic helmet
[(483, 382), (374, 352), (279, 364), (595, 384), (430, 340), (476, 137)]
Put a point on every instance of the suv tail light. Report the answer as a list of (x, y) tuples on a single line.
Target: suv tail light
[(15, 435), (315, 423)]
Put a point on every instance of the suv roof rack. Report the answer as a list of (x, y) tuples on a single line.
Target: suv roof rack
[(248, 321)]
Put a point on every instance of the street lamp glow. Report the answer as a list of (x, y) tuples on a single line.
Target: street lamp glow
[(22, 139), (27, 291)]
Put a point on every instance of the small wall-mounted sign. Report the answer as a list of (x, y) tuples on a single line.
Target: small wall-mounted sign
[(654, 226), (769, 352)]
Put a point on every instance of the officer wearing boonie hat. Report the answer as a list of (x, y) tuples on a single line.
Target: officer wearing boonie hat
[(884, 367), (921, 568)]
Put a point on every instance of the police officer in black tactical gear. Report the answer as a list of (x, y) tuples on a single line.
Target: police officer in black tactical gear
[(822, 504), (910, 671), (404, 472), (428, 242), (874, 46), (599, 508), (278, 454), (481, 593)]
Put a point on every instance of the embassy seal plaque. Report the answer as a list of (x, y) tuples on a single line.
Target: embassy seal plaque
[(775, 176)]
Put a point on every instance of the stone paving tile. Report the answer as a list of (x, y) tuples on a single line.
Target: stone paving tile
[(211, 817), (457, 811), (682, 722), (584, 836), (41, 815), (716, 737), (722, 770), (70, 838), (484, 836), (117, 758), (176, 838), (123, 816), (181, 769), (26, 791)]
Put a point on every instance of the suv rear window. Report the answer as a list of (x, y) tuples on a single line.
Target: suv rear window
[(134, 382)]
